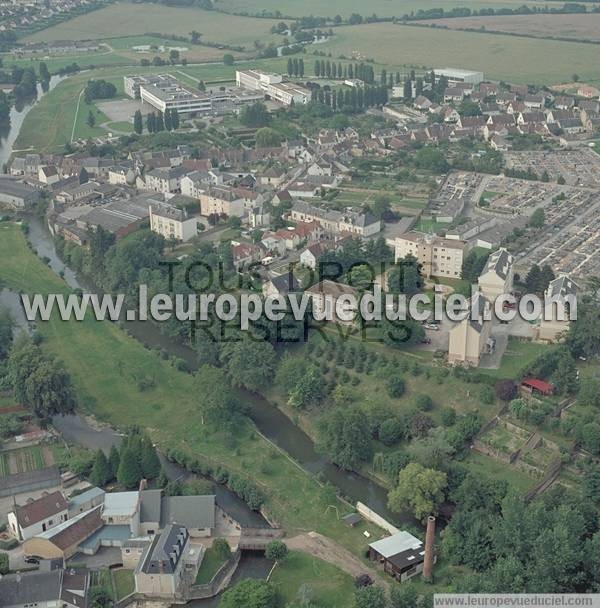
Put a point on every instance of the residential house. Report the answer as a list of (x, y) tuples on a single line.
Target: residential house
[(244, 254), (272, 177), (63, 541), (588, 91), (280, 285), (195, 182), (37, 516), (165, 179), (310, 256), (454, 94), (43, 588), (259, 217), (48, 175), (564, 102), (559, 301), (496, 278), (471, 337), (534, 102), (332, 301)]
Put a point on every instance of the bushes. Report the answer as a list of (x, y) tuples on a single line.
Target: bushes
[(4, 567), (391, 431), (424, 402), (395, 387), (239, 485), (8, 545), (506, 390)]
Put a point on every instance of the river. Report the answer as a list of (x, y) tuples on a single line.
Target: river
[(9, 134), (271, 421)]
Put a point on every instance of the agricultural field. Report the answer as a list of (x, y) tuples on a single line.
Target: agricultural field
[(382, 8), (510, 58), (576, 26), (123, 19), (24, 460)]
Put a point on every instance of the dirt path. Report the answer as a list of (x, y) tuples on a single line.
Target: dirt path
[(324, 548)]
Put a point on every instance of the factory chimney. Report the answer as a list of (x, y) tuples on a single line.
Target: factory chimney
[(429, 550)]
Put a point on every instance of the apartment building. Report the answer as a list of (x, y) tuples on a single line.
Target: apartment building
[(470, 338), (172, 223), (165, 179), (347, 221), (221, 200), (561, 294), (496, 278), (438, 257)]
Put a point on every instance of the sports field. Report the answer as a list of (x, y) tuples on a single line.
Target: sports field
[(520, 60), (578, 26), (382, 8), (123, 19)]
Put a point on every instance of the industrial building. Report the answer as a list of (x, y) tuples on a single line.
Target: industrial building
[(455, 76)]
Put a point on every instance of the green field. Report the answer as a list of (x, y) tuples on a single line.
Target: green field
[(106, 365), (123, 19), (518, 354), (328, 585), (22, 460), (49, 125), (494, 469), (522, 60), (382, 8)]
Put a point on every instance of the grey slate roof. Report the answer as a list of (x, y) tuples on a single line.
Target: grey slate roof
[(499, 262), (164, 553), (563, 286), (188, 511), (30, 588), (150, 506)]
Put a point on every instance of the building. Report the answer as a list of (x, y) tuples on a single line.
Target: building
[(496, 278), (560, 296), (196, 513), (455, 76), (165, 179), (62, 541), (402, 555), (94, 497), (349, 220), (17, 195), (162, 568), (470, 338), (437, 256), (45, 589), (221, 200), (172, 223), (280, 285), (326, 296), (273, 87), (310, 256), (37, 516), (533, 386)]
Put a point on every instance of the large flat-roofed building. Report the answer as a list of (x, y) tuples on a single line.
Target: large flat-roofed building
[(438, 257), (273, 86), (165, 92), (456, 75)]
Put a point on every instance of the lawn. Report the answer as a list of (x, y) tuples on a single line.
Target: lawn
[(502, 57), (124, 582), (327, 585), (518, 354), (106, 366), (211, 563), (125, 19)]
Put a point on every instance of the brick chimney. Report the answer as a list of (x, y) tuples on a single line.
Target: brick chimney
[(429, 549)]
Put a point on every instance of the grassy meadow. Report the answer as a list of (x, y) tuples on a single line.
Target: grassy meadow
[(124, 19), (382, 8), (510, 58)]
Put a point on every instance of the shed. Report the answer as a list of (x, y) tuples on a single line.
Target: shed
[(534, 385), (352, 519)]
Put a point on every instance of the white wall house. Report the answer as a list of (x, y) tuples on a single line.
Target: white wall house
[(37, 516)]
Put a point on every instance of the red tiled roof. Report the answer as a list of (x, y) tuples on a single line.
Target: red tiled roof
[(41, 509), (539, 385)]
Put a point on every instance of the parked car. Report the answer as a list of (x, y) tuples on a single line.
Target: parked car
[(31, 559), (431, 326)]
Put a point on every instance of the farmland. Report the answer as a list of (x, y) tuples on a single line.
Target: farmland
[(23, 460), (383, 8), (575, 26), (521, 60), (124, 19)]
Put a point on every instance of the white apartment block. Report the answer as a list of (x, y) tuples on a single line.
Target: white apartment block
[(438, 257), (496, 278), (172, 223), (273, 86)]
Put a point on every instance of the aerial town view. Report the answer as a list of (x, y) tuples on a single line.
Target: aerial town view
[(299, 303)]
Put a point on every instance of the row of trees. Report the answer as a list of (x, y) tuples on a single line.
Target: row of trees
[(295, 67), (352, 99), (157, 121), (330, 69)]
